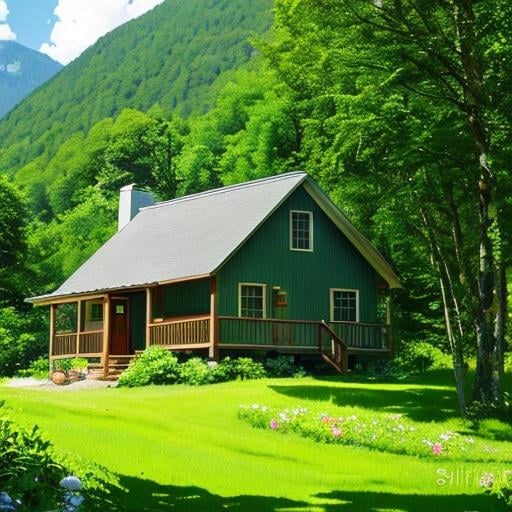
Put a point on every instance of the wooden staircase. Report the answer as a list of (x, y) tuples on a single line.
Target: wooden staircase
[(116, 366), (332, 349)]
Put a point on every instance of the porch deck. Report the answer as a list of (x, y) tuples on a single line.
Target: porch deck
[(333, 340)]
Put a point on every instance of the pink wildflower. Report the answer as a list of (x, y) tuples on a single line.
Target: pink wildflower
[(437, 449), (274, 425), (326, 419), (336, 432)]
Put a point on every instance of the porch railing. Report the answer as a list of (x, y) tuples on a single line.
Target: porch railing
[(268, 331), (300, 333), (90, 343), (64, 345), (180, 333), (363, 336)]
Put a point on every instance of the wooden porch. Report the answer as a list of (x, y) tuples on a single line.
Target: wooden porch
[(334, 341)]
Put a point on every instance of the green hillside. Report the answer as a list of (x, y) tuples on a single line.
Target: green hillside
[(178, 55), (21, 71)]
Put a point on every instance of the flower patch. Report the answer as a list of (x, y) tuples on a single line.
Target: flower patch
[(391, 433)]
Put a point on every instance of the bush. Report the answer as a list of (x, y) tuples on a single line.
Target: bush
[(243, 368), (37, 369), (31, 470), (195, 372), (154, 366), (499, 486), (420, 356), (478, 411), (159, 366), (18, 347), (283, 366)]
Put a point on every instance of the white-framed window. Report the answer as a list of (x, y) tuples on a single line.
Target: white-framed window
[(344, 305), (252, 300), (301, 230)]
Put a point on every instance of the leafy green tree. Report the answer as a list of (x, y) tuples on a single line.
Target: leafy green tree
[(402, 95), (142, 149), (58, 248), (13, 247)]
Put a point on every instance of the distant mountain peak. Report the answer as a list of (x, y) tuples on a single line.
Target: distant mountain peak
[(21, 71), (178, 55)]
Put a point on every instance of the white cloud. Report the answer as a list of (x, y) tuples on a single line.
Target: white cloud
[(4, 11), (82, 22), (6, 33)]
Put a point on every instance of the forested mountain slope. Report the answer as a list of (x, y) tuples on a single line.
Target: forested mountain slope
[(178, 55), (21, 71)]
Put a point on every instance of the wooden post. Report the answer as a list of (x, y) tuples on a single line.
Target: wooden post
[(388, 321), (52, 334), (149, 315), (213, 351), (78, 322), (106, 334)]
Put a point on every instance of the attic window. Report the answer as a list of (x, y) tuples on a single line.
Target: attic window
[(301, 231)]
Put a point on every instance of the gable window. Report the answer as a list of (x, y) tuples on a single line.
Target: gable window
[(344, 305), (301, 230), (252, 300)]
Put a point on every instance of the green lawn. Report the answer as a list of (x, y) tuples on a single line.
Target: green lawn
[(183, 448)]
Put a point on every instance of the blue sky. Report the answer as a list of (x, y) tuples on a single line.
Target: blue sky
[(32, 21), (63, 29)]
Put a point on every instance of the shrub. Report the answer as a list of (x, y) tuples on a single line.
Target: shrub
[(37, 369), (154, 366), (31, 470), (79, 363), (18, 347), (478, 411), (242, 368), (283, 366), (159, 366), (195, 372), (420, 356), (499, 486)]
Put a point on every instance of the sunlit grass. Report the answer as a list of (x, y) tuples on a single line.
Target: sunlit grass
[(184, 448)]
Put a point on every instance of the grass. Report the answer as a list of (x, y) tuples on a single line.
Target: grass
[(183, 448)]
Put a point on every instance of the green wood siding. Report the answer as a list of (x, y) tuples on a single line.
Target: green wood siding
[(305, 276), (137, 321), (188, 298)]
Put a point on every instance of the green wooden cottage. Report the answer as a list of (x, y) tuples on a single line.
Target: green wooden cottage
[(271, 264)]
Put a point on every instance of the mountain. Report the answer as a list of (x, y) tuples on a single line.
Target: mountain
[(177, 55), (21, 71)]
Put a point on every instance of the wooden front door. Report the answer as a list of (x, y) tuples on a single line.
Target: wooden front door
[(119, 331)]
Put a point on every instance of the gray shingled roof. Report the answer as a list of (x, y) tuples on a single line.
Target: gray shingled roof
[(185, 237), (193, 235)]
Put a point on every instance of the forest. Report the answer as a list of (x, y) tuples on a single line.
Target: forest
[(400, 110)]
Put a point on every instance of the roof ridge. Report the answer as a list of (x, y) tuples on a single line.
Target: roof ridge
[(227, 188)]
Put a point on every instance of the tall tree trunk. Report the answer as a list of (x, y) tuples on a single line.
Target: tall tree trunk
[(487, 380), (450, 309)]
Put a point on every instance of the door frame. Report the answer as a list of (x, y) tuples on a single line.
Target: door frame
[(111, 322)]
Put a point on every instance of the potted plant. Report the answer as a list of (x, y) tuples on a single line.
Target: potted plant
[(78, 368), (59, 373)]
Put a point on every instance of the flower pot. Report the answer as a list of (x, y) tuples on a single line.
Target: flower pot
[(58, 377), (73, 375)]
